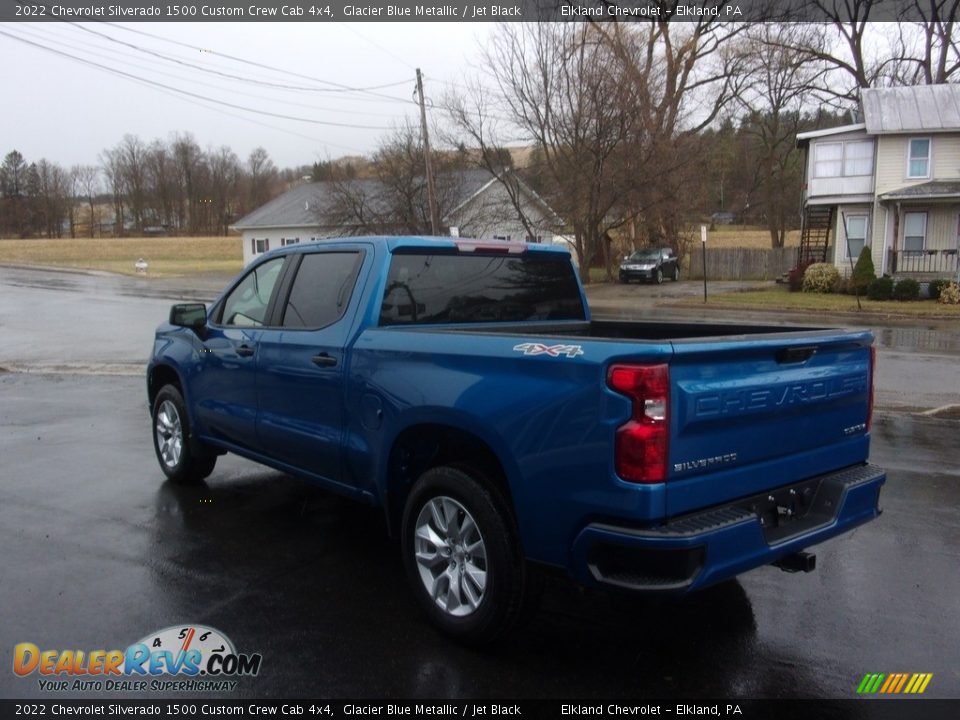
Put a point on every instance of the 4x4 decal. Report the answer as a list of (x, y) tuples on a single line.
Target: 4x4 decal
[(571, 351)]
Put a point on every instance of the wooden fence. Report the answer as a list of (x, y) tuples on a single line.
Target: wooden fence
[(739, 263)]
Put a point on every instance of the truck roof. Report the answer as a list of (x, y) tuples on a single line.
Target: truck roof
[(395, 242)]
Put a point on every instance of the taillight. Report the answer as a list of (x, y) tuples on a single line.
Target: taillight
[(641, 444), (873, 371)]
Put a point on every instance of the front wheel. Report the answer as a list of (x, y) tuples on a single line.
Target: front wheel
[(659, 276), (182, 460), (676, 273), (462, 556)]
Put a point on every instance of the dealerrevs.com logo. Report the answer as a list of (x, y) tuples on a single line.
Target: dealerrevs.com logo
[(177, 658)]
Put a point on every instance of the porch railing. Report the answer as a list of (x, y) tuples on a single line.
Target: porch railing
[(938, 262)]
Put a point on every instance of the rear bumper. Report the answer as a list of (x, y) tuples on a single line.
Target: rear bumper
[(706, 547)]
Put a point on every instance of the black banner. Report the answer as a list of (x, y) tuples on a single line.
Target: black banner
[(854, 709), (320, 11)]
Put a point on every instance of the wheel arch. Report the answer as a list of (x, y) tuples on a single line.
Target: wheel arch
[(422, 446), (162, 374)]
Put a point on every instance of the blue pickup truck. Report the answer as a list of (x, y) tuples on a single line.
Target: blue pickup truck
[(463, 388)]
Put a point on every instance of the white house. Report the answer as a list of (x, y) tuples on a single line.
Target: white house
[(480, 207), (891, 182)]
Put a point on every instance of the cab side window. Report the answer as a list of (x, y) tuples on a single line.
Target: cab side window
[(322, 289), (246, 305)]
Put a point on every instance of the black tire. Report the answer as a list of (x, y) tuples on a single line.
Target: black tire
[(658, 278), (676, 273), (509, 590), (194, 462)]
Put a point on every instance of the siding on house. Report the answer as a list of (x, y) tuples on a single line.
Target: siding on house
[(892, 160), (840, 258), (490, 215)]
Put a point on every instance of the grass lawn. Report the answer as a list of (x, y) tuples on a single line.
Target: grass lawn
[(780, 298), (167, 257)]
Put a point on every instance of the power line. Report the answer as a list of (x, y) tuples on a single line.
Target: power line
[(340, 86), (121, 73), (129, 63), (377, 45), (185, 63)]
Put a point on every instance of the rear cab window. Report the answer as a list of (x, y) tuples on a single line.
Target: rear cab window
[(426, 288)]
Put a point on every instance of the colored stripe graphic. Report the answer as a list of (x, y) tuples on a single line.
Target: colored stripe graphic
[(894, 683)]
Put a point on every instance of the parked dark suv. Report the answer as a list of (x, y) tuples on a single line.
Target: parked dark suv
[(650, 264)]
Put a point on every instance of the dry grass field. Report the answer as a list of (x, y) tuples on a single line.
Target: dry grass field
[(166, 257), (171, 257)]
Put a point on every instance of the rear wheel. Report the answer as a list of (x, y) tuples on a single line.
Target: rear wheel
[(462, 556), (182, 459), (658, 276)]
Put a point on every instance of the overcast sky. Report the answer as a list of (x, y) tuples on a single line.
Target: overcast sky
[(59, 108)]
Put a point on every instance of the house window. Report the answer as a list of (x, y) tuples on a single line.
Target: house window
[(858, 158), (918, 160), (259, 245), (914, 231), (502, 237), (289, 241), (828, 160), (856, 234), (843, 159)]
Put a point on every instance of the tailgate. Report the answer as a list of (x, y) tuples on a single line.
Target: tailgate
[(751, 414)]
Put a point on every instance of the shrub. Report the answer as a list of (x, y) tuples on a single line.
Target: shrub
[(880, 289), (936, 287), (795, 276), (843, 286), (863, 272), (950, 295), (906, 289), (820, 278)]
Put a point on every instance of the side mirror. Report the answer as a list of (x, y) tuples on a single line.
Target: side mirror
[(189, 315)]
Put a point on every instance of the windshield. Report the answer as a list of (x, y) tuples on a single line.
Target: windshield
[(645, 255)]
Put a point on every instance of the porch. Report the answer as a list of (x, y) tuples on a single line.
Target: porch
[(931, 262), (923, 237)]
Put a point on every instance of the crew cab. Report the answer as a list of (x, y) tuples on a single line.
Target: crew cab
[(464, 389)]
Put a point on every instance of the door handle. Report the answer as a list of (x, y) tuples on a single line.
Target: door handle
[(244, 351), (324, 360)]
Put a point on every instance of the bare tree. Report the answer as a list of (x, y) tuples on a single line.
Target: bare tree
[(781, 81), (12, 189), (160, 184), (932, 43), (474, 122), (88, 187), (263, 177), (112, 163), (47, 191), (394, 198), (225, 173), (133, 157), (188, 170)]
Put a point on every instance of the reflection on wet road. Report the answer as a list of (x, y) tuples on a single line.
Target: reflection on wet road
[(98, 552)]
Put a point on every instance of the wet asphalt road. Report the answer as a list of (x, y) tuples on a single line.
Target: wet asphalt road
[(98, 551)]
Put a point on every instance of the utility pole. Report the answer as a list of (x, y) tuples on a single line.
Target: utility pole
[(431, 191)]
